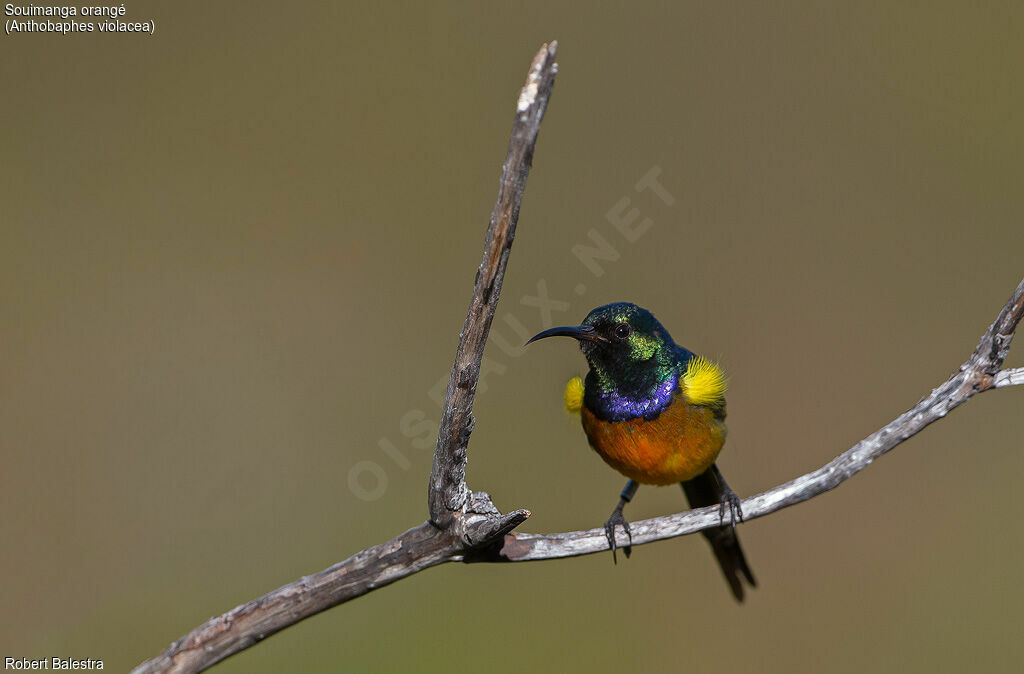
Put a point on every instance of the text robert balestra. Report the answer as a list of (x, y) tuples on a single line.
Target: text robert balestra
[(57, 663)]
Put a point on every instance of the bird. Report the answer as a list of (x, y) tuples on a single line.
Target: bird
[(655, 412)]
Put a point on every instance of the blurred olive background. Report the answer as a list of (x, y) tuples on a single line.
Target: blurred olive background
[(234, 255)]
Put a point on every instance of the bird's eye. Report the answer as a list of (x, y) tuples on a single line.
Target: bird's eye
[(622, 330)]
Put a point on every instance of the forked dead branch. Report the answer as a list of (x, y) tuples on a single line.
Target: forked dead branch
[(466, 526)]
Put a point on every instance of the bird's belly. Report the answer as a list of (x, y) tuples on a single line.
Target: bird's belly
[(680, 444)]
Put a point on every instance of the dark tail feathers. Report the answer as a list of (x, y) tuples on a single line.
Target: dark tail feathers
[(707, 489)]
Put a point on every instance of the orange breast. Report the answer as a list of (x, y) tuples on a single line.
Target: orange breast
[(680, 444)]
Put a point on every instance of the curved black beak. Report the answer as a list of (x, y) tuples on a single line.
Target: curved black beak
[(584, 333)]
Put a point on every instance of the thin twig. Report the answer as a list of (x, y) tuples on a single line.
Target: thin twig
[(448, 492)]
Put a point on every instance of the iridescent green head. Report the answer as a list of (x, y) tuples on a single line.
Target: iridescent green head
[(624, 344)]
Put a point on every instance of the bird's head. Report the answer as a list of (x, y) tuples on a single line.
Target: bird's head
[(621, 341)]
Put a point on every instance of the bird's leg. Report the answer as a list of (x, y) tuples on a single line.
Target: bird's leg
[(728, 499), (609, 527)]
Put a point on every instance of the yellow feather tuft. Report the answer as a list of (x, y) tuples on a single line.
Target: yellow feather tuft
[(574, 395), (703, 382)]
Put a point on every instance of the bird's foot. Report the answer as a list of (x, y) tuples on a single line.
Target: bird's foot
[(731, 501), (609, 532)]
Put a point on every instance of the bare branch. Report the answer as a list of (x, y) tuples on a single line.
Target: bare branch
[(1009, 378), (466, 526), (448, 491), (459, 519), (250, 623), (974, 376)]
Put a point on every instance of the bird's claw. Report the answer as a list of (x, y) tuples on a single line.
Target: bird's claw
[(609, 532), (731, 501)]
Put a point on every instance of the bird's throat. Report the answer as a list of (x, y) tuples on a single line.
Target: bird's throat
[(618, 401)]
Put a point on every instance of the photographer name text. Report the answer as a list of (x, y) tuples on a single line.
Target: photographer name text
[(55, 663)]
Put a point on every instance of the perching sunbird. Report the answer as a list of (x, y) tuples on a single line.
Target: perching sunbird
[(655, 412)]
